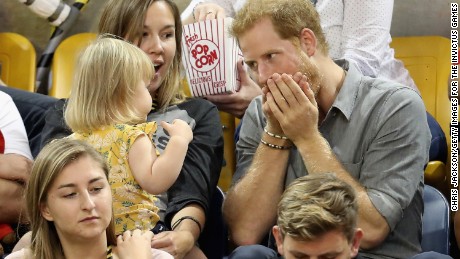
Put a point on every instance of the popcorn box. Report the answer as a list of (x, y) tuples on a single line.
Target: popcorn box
[(210, 55)]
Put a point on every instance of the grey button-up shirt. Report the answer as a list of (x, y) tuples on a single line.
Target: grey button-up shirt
[(378, 130)]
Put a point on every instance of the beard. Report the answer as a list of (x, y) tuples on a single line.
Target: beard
[(311, 71)]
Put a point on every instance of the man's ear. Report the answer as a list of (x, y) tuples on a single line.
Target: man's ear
[(308, 41), (44, 210), (356, 242), (279, 238)]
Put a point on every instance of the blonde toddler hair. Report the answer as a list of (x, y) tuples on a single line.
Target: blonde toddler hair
[(107, 74)]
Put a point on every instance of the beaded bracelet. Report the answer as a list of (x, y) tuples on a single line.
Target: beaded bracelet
[(183, 218), (275, 135), (274, 146)]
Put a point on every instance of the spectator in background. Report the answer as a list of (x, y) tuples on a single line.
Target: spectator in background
[(32, 107), (15, 164)]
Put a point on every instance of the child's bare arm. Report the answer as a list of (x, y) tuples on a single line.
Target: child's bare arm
[(156, 174)]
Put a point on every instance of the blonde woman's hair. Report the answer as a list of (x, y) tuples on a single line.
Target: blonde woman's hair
[(316, 204), (51, 161), (126, 19), (288, 17), (108, 72)]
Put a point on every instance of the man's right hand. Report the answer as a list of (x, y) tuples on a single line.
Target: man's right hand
[(15, 167)]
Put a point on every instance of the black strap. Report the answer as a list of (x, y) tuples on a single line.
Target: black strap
[(186, 217)]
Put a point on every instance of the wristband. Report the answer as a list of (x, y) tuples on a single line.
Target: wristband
[(275, 135), (183, 218), (274, 146)]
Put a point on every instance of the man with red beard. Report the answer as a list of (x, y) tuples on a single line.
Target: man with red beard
[(321, 115)]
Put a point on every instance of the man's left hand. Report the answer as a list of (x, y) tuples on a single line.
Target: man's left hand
[(293, 104)]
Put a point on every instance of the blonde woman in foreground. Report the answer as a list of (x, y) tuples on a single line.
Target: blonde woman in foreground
[(69, 203)]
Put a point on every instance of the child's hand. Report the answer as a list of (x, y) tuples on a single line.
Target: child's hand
[(178, 128), (134, 244)]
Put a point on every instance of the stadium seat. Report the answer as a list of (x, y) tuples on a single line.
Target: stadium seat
[(428, 60), (64, 61), (17, 61), (228, 127), (436, 222)]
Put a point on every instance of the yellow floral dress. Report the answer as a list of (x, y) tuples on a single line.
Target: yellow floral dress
[(133, 207)]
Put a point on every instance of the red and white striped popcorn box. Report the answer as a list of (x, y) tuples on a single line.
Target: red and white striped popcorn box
[(210, 55)]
